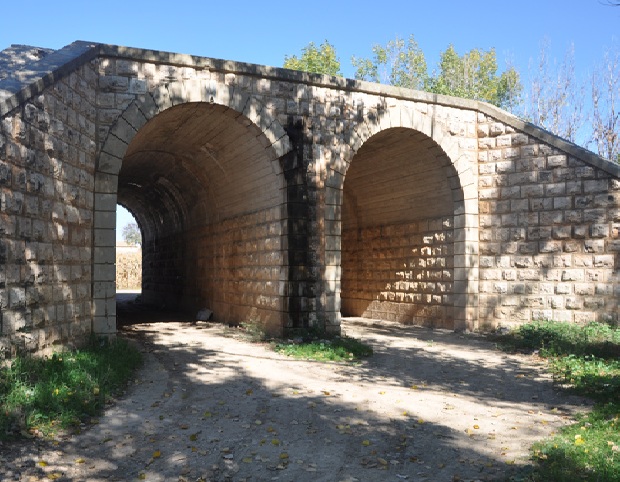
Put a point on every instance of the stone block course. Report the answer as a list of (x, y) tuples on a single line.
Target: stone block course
[(531, 223)]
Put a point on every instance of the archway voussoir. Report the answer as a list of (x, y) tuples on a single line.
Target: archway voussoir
[(147, 106), (123, 130), (238, 101), (161, 98), (282, 146), (224, 95), (106, 183), (177, 93), (134, 116), (395, 116), (109, 163), (253, 110), (192, 90), (115, 146)]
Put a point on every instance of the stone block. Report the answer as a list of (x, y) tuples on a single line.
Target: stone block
[(599, 230), (595, 186), (113, 83)]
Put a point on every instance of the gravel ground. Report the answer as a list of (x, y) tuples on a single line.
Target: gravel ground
[(210, 405)]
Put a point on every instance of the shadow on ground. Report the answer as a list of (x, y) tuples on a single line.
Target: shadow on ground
[(209, 405)]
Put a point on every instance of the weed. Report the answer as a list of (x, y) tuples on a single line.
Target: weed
[(254, 331), (584, 359), (42, 394), (334, 348)]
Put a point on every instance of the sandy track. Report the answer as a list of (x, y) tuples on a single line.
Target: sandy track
[(429, 405)]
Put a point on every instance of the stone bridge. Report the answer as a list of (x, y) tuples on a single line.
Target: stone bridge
[(286, 199)]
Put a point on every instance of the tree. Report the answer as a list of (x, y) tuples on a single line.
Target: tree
[(131, 234), (606, 107), (555, 98), (395, 64), (317, 60), (472, 76)]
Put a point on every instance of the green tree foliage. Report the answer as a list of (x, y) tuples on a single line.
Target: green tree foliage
[(316, 60), (473, 75), (399, 63), (131, 234)]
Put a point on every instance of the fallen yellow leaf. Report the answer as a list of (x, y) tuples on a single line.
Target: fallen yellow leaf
[(476, 427), (54, 475), (42, 463), (366, 443), (284, 455), (248, 391), (156, 454), (275, 441), (79, 461)]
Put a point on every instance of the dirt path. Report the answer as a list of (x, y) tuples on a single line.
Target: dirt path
[(429, 405)]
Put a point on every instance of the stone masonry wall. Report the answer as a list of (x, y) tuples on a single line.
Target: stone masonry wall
[(162, 271), (400, 273), (237, 270), (47, 148), (549, 232), (535, 231)]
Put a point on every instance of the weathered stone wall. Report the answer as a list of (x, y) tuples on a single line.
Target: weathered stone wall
[(47, 148), (237, 270), (401, 273), (162, 271), (236, 174), (548, 232)]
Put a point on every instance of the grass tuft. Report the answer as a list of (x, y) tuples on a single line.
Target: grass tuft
[(40, 395), (586, 360), (336, 348)]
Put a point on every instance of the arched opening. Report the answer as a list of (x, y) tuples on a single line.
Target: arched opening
[(205, 187), (400, 198), (128, 253)]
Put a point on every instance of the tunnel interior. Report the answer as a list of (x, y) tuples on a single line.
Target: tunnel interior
[(206, 191), (398, 231)]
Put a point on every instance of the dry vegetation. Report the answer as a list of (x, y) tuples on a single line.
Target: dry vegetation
[(128, 271)]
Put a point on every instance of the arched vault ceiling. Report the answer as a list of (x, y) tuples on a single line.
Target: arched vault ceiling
[(206, 158), (397, 176)]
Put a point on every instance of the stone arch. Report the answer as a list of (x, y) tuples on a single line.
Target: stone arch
[(461, 177), (196, 203)]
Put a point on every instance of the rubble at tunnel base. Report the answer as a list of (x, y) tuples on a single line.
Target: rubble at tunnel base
[(286, 199)]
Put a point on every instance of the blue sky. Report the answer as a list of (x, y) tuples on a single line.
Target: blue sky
[(264, 32)]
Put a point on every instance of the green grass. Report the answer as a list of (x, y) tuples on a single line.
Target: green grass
[(586, 360), (40, 395), (338, 348)]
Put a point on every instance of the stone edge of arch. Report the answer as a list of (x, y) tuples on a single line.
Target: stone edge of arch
[(466, 223), (109, 161)]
